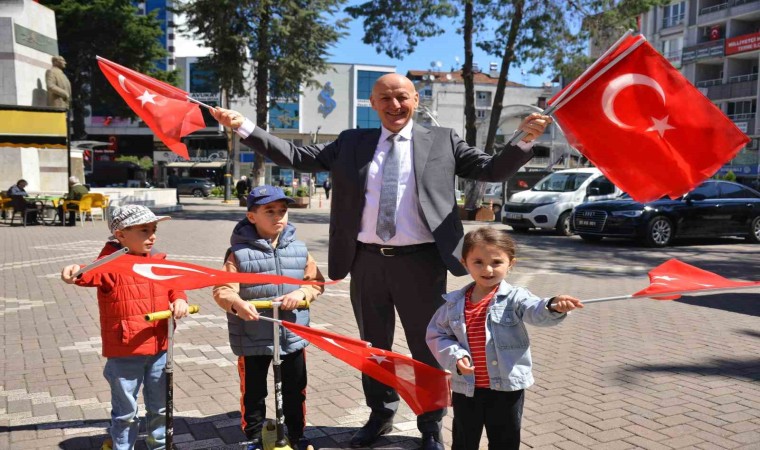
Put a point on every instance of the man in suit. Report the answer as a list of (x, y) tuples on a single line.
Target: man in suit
[(395, 226), (58, 85)]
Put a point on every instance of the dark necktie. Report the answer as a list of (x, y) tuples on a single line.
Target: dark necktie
[(386, 211)]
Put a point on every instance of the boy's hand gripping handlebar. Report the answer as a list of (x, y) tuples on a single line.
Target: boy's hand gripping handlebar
[(161, 315)]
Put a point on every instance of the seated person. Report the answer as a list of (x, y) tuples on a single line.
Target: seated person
[(19, 202), (76, 191), (18, 189)]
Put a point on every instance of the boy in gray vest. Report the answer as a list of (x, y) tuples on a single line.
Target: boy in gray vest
[(264, 242)]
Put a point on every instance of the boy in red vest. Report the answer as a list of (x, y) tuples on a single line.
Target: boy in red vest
[(136, 349)]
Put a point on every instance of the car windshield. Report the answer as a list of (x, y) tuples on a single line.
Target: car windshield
[(561, 182)]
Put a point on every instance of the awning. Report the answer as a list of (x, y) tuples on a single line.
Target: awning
[(197, 165), (32, 127)]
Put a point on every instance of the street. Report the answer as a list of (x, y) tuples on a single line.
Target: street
[(626, 374)]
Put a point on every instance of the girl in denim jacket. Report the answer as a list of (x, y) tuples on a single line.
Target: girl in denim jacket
[(479, 335)]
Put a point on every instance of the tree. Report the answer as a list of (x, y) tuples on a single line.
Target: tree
[(287, 42), (111, 29), (548, 33)]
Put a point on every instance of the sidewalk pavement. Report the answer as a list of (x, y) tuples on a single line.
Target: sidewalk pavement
[(618, 375)]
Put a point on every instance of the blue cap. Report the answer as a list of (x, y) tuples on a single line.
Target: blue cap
[(262, 195)]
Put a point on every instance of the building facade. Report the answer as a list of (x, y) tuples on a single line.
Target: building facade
[(716, 45)]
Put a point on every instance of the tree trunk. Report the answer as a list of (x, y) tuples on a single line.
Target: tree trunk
[(262, 60), (498, 101), (472, 192)]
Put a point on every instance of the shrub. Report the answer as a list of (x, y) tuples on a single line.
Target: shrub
[(217, 191), (302, 192)]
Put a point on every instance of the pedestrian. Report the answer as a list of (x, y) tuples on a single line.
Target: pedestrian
[(396, 227), (173, 182), (479, 335), (327, 186), (135, 348), (241, 187), (264, 242), (76, 191)]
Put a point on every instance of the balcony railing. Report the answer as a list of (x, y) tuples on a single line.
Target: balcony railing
[(714, 8), (744, 116), (740, 78), (703, 50), (672, 21), (742, 2), (708, 83)]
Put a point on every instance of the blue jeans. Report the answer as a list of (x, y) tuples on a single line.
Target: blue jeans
[(125, 375)]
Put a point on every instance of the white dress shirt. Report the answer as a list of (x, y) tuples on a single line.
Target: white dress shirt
[(410, 225)]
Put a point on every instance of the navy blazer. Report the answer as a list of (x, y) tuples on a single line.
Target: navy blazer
[(439, 155)]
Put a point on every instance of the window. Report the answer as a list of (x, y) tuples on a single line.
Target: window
[(366, 117), (562, 182), (366, 79), (284, 115), (481, 113), (672, 47), (483, 99), (745, 109), (604, 185), (426, 92), (728, 190), (709, 190), (673, 15)]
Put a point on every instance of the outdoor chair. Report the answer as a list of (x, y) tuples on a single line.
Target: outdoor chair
[(83, 206), (99, 204), (5, 206), (24, 209)]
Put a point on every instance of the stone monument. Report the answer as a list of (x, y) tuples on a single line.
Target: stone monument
[(58, 86)]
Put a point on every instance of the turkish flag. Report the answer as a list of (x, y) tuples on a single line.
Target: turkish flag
[(675, 276), (163, 107), (423, 388), (648, 129), (186, 276)]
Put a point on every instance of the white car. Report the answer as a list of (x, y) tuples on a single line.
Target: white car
[(550, 202)]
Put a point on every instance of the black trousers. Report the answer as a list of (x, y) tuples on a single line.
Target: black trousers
[(500, 412), (253, 372), (412, 285)]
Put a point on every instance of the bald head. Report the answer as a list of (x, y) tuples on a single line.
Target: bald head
[(395, 99), (59, 62)]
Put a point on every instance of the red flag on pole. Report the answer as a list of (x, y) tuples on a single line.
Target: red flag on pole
[(649, 130), (676, 276), (423, 388), (188, 276), (163, 107)]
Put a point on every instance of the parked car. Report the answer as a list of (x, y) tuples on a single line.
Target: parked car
[(197, 187), (550, 202), (521, 181), (715, 208)]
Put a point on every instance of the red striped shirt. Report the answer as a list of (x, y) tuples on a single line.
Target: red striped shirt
[(475, 323)]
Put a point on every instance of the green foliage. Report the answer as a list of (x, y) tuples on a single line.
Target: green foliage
[(217, 191), (113, 30), (302, 192), (145, 163), (730, 176)]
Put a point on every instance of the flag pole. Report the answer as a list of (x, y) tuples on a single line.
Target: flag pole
[(101, 261), (662, 294), (190, 99), (552, 108)]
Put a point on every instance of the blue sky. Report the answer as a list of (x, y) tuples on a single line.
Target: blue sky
[(444, 49)]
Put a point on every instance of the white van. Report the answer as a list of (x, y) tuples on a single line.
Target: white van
[(549, 203)]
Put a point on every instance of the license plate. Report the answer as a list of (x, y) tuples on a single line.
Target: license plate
[(586, 223), (514, 216)]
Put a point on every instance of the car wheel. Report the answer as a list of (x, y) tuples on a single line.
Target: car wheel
[(563, 224), (520, 229), (197, 192), (754, 231), (659, 232), (591, 237)]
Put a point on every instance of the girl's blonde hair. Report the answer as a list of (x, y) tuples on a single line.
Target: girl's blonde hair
[(489, 236)]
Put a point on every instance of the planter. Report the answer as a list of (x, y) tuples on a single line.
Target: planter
[(482, 214), (300, 202)]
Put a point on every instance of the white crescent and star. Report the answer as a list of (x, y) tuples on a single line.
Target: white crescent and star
[(147, 97), (146, 270), (627, 80), (121, 83)]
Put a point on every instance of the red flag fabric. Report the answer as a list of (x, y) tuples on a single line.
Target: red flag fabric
[(163, 107), (423, 388), (188, 276), (648, 129), (676, 276)]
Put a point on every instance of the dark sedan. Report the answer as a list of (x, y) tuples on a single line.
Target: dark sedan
[(197, 187), (713, 209)]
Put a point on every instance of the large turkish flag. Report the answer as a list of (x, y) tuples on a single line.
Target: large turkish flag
[(648, 129), (164, 108)]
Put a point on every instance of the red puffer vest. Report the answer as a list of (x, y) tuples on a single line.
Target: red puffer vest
[(123, 302)]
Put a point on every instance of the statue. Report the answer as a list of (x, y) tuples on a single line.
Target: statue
[(58, 86)]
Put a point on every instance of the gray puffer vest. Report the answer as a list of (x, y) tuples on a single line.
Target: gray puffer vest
[(255, 255)]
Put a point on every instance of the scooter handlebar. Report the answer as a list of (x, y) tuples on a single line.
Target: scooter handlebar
[(161, 315), (267, 304)]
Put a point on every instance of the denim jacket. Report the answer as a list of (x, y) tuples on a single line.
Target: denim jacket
[(507, 343)]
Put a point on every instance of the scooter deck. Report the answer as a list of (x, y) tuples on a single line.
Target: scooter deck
[(269, 437)]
